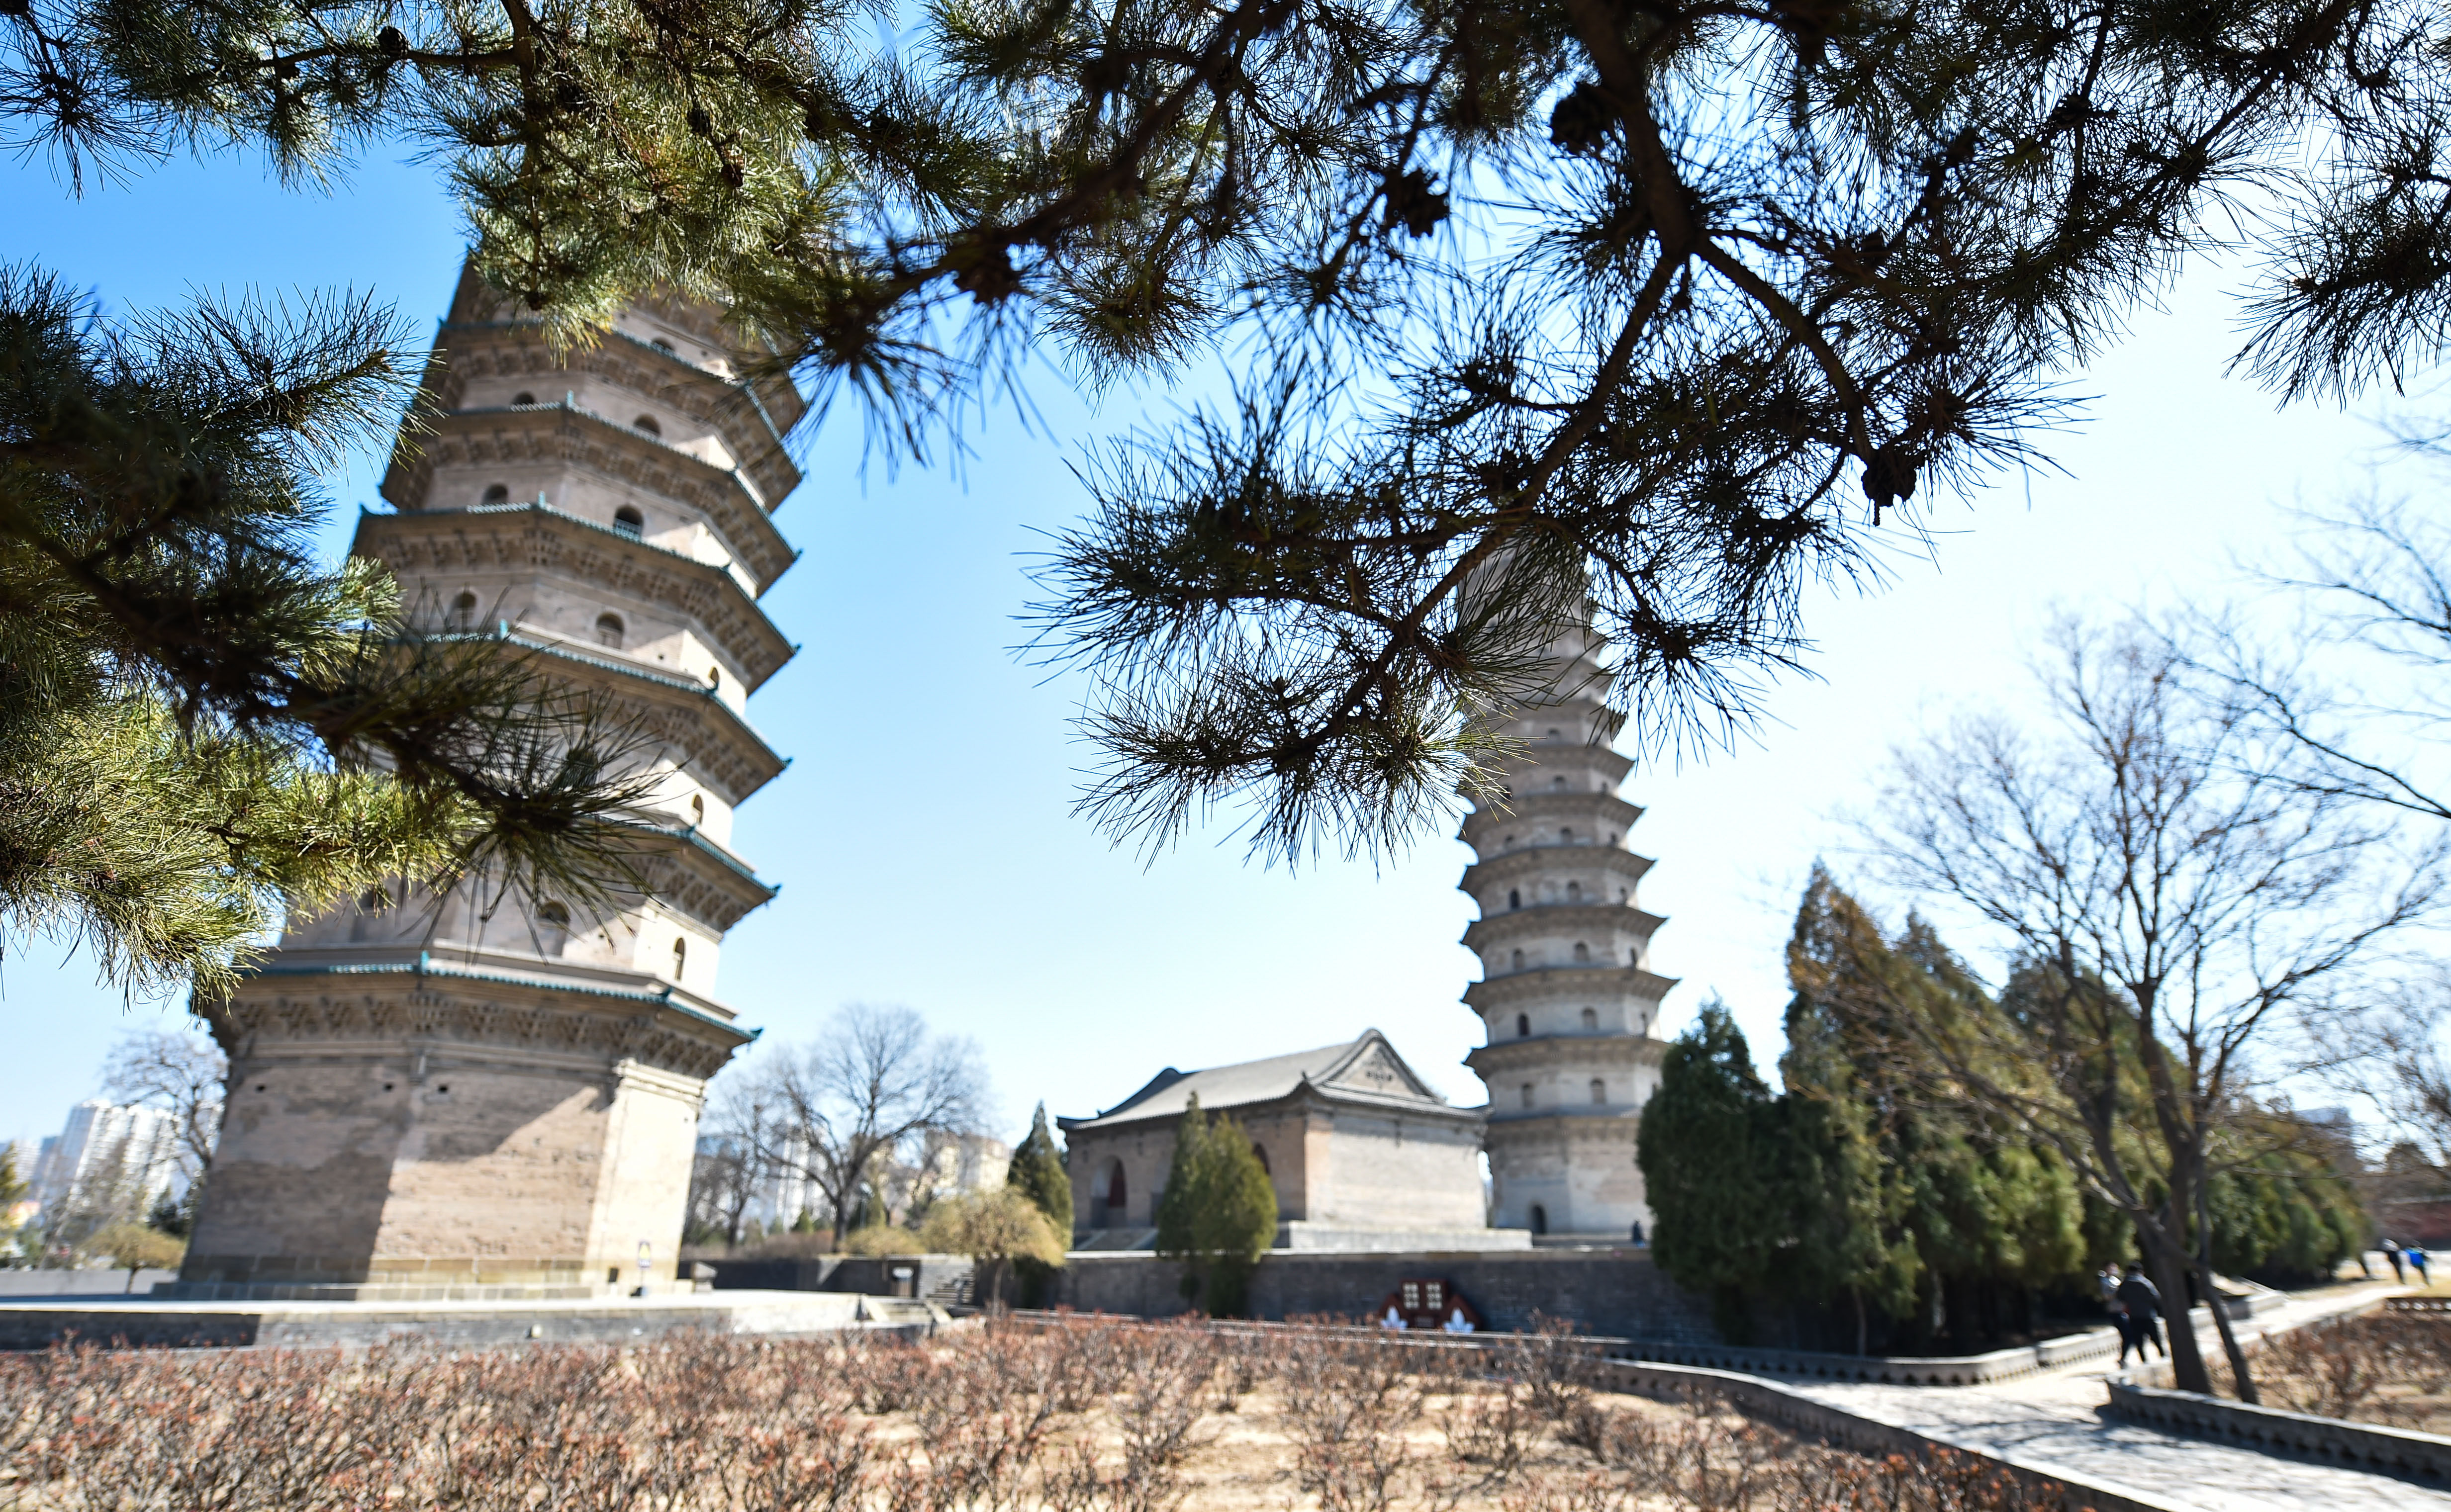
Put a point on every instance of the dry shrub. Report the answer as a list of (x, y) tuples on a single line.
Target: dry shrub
[(1165, 1396), (2386, 1367), (1087, 1416), (1347, 1402), (1553, 1366)]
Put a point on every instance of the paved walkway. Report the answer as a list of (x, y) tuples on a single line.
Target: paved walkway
[(2054, 1422)]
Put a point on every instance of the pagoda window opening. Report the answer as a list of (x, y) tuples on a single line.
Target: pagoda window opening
[(523, 396), (1523, 1026), (628, 521), (1557, 783), (1565, 837), (1591, 1022), (1574, 892), (649, 424), (713, 677), (609, 631), (499, 493), (1553, 734), (463, 612), (697, 808), (1582, 953), (680, 957), (1260, 1152), (1518, 961), (553, 919), (1600, 1090), (1527, 1095), (1540, 1219), (663, 346), (1514, 898)]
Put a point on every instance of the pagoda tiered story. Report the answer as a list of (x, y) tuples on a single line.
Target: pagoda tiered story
[(1567, 999), (499, 1097)]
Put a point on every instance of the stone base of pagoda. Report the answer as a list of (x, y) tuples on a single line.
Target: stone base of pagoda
[(415, 1132)]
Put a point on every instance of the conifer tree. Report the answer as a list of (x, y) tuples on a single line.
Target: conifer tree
[(199, 725), (1679, 303), (1038, 1170), (1218, 1214), (1933, 1194), (1715, 1162)]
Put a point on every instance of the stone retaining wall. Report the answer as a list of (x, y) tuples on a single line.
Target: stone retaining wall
[(1602, 1291), (2362, 1446), (1974, 1369), (1809, 1419), (870, 1275), (33, 1326)]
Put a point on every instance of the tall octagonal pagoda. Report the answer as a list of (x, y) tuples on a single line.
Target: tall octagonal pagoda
[(503, 1100), (1566, 995)]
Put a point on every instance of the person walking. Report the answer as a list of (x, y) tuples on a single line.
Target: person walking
[(2391, 1252), (2417, 1261), (2144, 1303)]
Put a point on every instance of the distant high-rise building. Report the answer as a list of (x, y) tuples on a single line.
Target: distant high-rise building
[(110, 1159)]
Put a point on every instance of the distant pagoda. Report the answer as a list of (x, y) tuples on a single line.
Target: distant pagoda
[(505, 1101), (1566, 996)]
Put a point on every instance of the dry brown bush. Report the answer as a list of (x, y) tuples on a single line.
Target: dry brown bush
[(2392, 1368), (1087, 1417)]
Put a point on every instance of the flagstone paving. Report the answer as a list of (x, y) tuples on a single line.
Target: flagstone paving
[(2053, 1422)]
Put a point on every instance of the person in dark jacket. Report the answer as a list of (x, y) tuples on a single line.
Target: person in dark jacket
[(2143, 1301)]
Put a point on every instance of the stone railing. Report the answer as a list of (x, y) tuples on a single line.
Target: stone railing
[(1945, 1370), (2439, 1306), (1770, 1402), (2362, 1445)]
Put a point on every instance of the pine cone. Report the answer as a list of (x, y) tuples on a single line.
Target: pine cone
[(1889, 476), (392, 42), (1579, 126), (1411, 204), (989, 276), (700, 124)]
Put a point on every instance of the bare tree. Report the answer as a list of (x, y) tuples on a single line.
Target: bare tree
[(182, 1074), (730, 1159), (2372, 586), (2373, 583), (2175, 905), (873, 1089)]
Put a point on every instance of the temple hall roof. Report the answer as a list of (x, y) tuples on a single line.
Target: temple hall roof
[(1367, 1069)]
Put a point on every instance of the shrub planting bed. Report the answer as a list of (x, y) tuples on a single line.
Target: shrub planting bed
[(1091, 1417), (2391, 1367)]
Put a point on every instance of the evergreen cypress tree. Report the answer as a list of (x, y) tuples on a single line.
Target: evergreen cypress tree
[(1218, 1214), (1038, 1170), (1933, 1194), (1715, 1168)]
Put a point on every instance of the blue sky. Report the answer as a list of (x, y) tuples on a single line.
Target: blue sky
[(922, 836)]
